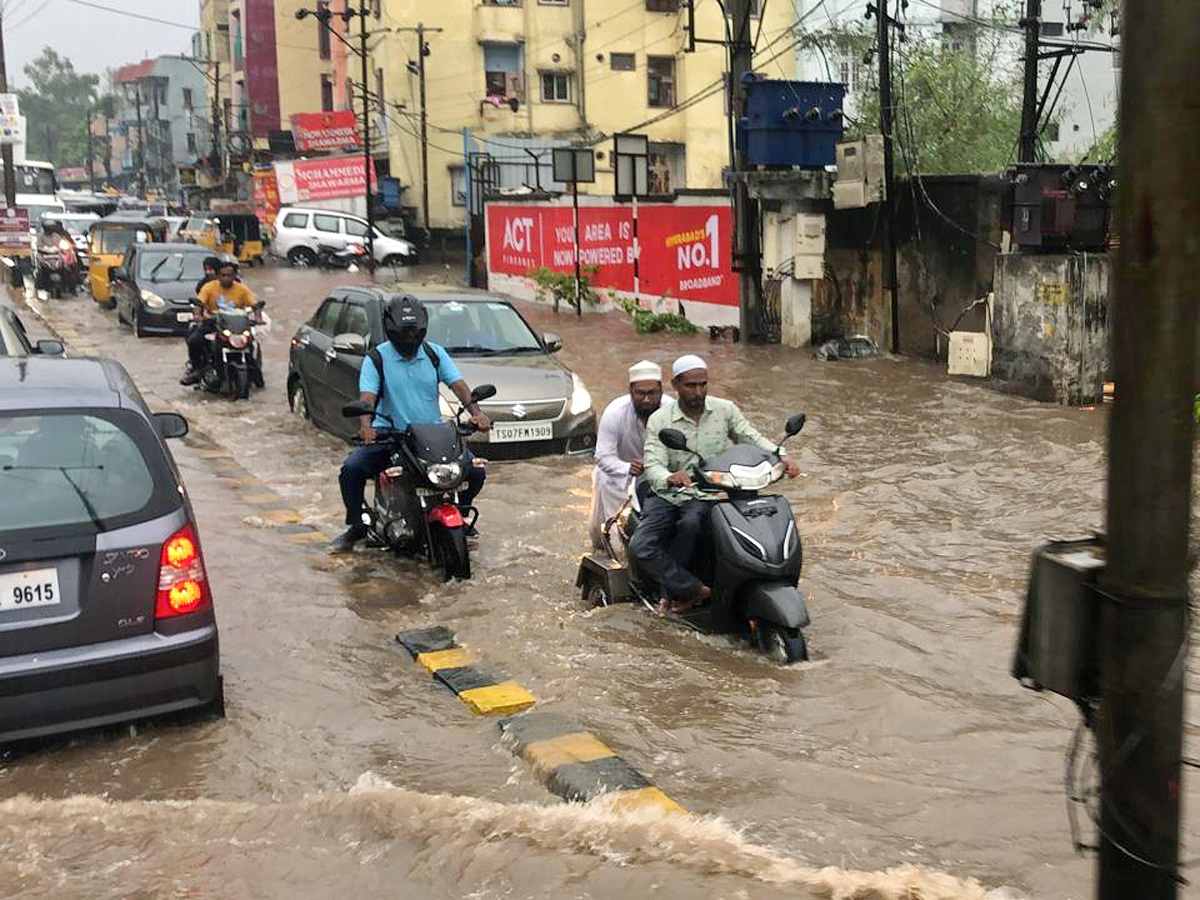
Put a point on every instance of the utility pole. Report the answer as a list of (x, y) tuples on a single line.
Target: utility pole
[(6, 151), (422, 52), (1032, 23), (217, 167), (1143, 601), (887, 241), (748, 254), (366, 126), (141, 151), (91, 151)]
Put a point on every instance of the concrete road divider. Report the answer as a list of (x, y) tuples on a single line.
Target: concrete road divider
[(481, 686)]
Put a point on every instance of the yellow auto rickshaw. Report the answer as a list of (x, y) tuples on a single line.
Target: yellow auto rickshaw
[(202, 230), (241, 236), (108, 240)]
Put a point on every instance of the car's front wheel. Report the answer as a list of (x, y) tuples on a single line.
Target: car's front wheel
[(301, 257)]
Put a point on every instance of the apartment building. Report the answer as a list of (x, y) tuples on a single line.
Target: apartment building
[(526, 75)]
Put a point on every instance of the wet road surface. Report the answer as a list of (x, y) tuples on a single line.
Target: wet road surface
[(905, 743)]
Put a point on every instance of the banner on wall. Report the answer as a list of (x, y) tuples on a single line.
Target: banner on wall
[(326, 178), (325, 130), (685, 251)]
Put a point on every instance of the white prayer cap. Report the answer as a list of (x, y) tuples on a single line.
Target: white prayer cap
[(686, 364), (645, 371)]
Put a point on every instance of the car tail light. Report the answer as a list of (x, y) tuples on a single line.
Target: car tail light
[(182, 584)]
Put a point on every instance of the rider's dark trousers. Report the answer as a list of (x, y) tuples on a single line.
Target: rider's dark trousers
[(365, 462), (663, 543)]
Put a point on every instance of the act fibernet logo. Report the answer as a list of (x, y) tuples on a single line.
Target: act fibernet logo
[(517, 247), (698, 255)]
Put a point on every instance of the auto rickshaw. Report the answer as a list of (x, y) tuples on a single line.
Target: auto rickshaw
[(240, 235), (108, 240)]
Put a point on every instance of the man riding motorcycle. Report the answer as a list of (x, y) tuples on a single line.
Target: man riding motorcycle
[(673, 516), (399, 380), (226, 292)]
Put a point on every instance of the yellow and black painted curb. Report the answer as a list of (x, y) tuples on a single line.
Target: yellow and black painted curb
[(478, 684), (576, 765)]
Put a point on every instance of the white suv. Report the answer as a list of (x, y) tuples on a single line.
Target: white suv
[(300, 230)]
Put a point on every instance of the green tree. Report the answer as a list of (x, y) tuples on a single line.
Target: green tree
[(957, 96), (55, 106)]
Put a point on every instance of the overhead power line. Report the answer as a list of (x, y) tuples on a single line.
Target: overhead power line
[(133, 15)]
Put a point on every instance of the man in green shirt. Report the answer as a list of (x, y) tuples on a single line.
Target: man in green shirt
[(673, 516)]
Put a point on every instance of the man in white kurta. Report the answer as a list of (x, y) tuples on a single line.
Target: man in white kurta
[(619, 440)]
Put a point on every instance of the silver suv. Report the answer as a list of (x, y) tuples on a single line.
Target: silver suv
[(106, 611), (301, 231)]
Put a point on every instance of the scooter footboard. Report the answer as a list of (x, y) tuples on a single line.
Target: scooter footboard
[(776, 601)]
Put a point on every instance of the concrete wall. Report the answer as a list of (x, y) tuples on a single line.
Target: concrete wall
[(1050, 327)]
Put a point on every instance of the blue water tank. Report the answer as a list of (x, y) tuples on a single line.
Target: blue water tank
[(791, 123)]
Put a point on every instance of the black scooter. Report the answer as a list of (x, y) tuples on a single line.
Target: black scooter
[(415, 508), (750, 553)]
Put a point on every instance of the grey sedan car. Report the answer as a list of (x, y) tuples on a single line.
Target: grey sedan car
[(106, 611), (540, 406)]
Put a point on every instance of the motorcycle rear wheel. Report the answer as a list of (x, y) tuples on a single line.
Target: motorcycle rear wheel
[(782, 644), (449, 552)]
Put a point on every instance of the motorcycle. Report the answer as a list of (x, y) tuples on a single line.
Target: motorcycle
[(55, 274), (750, 553), (349, 257), (415, 505), (233, 361)]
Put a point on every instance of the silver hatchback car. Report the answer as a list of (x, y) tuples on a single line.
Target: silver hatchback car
[(106, 611)]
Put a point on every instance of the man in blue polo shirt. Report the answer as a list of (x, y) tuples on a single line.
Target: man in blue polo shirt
[(405, 393)]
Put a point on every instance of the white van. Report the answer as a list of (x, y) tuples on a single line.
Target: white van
[(300, 230)]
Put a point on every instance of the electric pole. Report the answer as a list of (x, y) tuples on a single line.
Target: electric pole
[(887, 242), (215, 162), (141, 151), (91, 151), (1143, 597), (1032, 23), (6, 150), (366, 126), (422, 52), (747, 261)]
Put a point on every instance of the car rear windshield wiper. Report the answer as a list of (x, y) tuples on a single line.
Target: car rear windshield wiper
[(87, 504)]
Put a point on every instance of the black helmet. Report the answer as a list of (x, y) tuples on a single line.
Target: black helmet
[(405, 322), (212, 262)]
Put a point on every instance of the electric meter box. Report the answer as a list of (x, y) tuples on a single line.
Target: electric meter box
[(1057, 646)]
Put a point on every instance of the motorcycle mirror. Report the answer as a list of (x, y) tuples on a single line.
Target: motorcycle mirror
[(794, 424), (673, 439), (355, 409), (483, 391)]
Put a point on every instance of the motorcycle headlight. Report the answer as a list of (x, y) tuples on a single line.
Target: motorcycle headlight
[(152, 300), (581, 400), (444, 407), (239, 341), (444, 474)]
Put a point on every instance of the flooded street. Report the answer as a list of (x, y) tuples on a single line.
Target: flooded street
[(903, 761)]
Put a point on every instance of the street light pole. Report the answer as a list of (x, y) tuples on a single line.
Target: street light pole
[(366, 127), (6, 150)]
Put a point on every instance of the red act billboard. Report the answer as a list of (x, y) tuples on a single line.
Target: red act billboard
[(325, 130), (685, 250)]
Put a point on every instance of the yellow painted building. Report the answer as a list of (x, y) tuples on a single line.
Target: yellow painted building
[(528, 73)]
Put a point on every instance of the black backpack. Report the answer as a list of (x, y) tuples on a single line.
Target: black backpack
[(377, 358)]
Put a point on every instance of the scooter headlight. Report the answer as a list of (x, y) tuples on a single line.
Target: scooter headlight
[(152, 300), (752, 478), (581, 400), (721, 479), (444, 474)]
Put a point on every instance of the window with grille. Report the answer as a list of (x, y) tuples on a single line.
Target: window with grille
[(660, 81), (622, 62), (556, 87)]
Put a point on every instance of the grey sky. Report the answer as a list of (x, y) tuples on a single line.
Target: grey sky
[(93, 39)]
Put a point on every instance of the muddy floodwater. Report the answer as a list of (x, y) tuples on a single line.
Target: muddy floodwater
[(902, 762)]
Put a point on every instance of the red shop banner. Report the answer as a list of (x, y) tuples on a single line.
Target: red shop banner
[(685, 250), (327, 178), (325, 130), (266, 196)]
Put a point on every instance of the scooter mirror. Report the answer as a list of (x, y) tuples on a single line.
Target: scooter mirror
[(794, 424), (483, 391), (356, 409), (673, 439)]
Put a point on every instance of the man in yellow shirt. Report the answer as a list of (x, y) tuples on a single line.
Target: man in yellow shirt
[(226, 292)]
